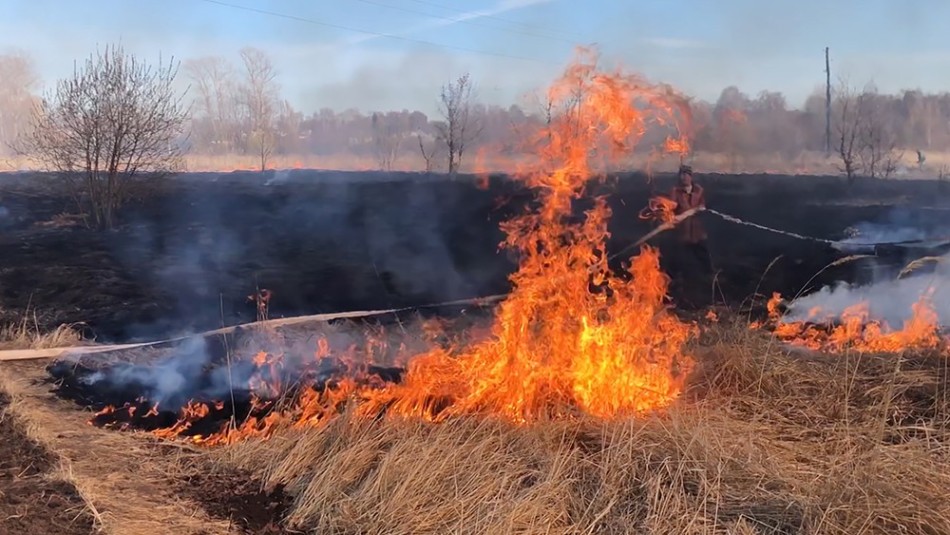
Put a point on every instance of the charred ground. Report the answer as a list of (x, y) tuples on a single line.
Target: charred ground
[(189, 256)]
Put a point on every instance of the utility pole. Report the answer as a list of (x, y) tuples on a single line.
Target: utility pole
[(827, 104)]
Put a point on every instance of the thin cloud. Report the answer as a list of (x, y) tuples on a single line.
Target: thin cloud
[(502, 7)]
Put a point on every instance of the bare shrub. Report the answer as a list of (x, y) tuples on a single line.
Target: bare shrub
[(115, 124)]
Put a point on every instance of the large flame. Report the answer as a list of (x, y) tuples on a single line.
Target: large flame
[(573, 337)]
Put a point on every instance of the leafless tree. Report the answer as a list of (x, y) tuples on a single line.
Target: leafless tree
[(386, 140), (847, 121), (879, 154), (459, 126), (18, 81), (114, 124), (261, 93), (866, 144), (213, 79), (429, 150)]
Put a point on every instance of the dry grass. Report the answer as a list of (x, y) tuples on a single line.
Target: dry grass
[(25, 334), (765, 442)]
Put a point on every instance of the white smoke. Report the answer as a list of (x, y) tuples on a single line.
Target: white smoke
[(888, 298), (862, 237)]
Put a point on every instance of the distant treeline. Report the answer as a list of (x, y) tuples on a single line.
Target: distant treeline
[(238, 107)]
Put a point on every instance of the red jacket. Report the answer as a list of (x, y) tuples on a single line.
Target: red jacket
[(690, 230)]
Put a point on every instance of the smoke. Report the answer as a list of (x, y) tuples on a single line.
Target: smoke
[(319, 241), (889, 298), (197, 370), (900, 225), (170, 382), (890, 301)]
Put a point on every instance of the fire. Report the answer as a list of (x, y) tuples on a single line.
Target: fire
[(660, 209), (573, 337), (856, 330), (558, 348)]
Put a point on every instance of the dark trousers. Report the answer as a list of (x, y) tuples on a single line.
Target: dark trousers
[(692, 273)]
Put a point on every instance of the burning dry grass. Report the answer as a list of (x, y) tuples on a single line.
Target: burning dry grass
[(767, 442)]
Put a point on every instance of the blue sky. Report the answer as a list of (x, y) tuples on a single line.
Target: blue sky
[(333, 58)]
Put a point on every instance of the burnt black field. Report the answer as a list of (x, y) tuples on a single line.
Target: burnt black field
[(187, 258)]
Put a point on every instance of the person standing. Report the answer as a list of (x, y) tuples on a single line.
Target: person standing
[(695, 262)]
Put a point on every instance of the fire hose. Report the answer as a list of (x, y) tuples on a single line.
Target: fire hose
[(28, 354)]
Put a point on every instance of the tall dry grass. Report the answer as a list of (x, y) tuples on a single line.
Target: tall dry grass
[(25, 334), (765, 441)]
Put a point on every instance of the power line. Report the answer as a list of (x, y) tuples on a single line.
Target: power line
[(367, 32), (456, 20)]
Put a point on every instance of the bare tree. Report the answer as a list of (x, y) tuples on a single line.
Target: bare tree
[(114, 124), (261, 94), (386, 140), (460, 126), (847, 125), (879, 154), (18, 81), (866, 144), (213, 79), (429, 153)]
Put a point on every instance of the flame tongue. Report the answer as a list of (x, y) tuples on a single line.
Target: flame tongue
[(558, 347)]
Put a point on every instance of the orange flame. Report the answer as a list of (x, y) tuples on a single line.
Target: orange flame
[(855, 330), (659, 208), (556, 346)]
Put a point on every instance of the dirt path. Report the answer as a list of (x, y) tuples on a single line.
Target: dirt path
[(127, 483), (35, 498)]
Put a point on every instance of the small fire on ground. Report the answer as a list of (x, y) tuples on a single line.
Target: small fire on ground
[(573, 337), (855, 330)]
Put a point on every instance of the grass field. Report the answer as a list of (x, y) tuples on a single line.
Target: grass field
[(764, 439)]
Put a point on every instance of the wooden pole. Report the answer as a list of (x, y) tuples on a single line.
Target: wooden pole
[(827, 104)]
